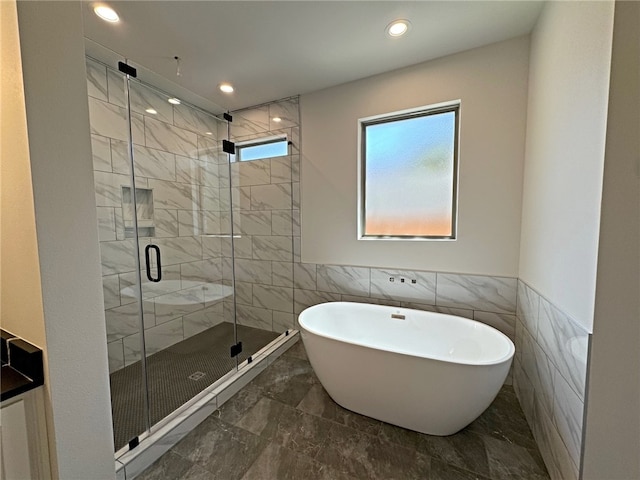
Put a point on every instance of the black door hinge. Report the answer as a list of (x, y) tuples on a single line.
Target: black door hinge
[(127, 69), (227, 117), (228, 147), (236, 349)]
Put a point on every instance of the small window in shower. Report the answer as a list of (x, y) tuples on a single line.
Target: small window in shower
[(408, 163), (262, 148)]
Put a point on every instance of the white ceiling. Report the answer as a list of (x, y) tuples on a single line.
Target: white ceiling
[(271, 50)]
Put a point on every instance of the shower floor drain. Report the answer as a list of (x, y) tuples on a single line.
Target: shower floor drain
[(196, 376)]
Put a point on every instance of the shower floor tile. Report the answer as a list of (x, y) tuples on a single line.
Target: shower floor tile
[(175, 375), (283, 425)]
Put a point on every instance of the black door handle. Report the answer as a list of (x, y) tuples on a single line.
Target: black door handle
[(146, 256)]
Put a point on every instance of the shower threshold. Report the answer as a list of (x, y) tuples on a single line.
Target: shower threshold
[(170, 429)]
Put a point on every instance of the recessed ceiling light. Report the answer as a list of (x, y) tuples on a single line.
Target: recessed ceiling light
[(108, 14), (276, 119), (174, 101), (151, 111), (208, 133), (226, 87), (398, 28)]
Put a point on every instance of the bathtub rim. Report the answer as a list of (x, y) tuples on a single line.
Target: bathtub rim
[(494, 331)]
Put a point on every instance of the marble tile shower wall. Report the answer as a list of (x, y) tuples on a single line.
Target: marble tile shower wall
[(266, 219), (549, 378), (178, 171)]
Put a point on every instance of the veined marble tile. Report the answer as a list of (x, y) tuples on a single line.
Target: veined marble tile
[(271, 197), (273, 298), (209, 198), (111, 290), (282, 274), (283, 321), (115, 350), (170, 281), (287, 111), (295, 195), (180, 249), (106, 224), (132, 349), (295, 168), (118, 257), (273, 248), (304, 276), (156, 338), (141, 97), (211, 223), (242, 246), (250, 121), (149, 163), (198, 322), (281, 170), (458, 312), (543, 378), (252, 223), (108, 120), (101, 153), (172, 195), (195, 120), (190, 170), (566, 343), (209, 149), (255, 317), (502, 321), (423, 291), (256, 172), (124, 321), (370, 300), (241, 198), (190, 223), (254, 271), (341, 279), (203, 271), (137, 129), (96, 80), (177, 304), (165, 223), (524, 391), (244, 293), (306, 298), (108, 187), (297, 249), (211, 246), (528, 307), (282, 222), (555, 454), (172, 139), (294, 148), (120, 160), (567, 415), (296, 223), (478, 292)]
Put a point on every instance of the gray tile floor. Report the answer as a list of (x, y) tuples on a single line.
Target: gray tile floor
[(283, 425)]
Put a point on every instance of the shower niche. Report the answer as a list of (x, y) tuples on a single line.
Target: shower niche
[(143, 209)]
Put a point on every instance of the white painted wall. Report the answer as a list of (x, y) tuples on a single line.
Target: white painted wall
[(566, 121), (491, 82), (55, 90), (21, 298), (612, 432)]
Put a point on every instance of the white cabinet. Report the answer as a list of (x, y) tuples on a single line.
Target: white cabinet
[(23, 442)]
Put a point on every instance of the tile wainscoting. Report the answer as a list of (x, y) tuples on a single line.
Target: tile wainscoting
[(550, 372)]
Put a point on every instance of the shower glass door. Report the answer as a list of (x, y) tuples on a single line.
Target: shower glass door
[(164, 230), (182, 228)]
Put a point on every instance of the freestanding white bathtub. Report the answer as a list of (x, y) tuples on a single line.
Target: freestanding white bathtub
[(424, 371)]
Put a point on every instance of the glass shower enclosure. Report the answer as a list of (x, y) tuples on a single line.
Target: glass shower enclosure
[(167, 238)]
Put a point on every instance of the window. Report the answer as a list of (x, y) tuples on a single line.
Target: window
[(408, 174), (262, 148)]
